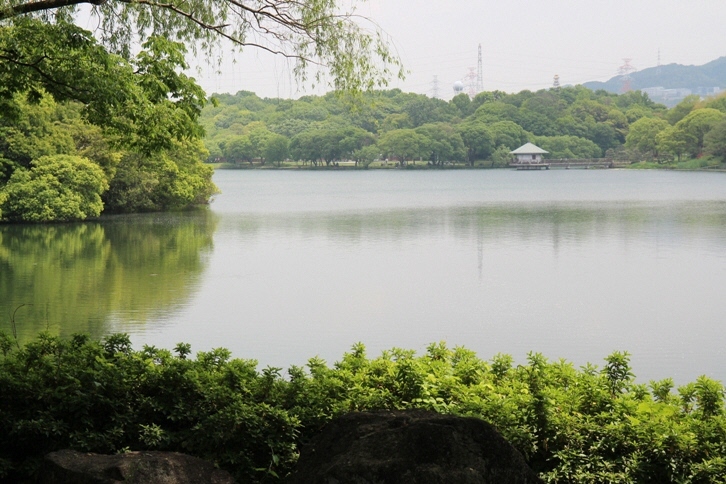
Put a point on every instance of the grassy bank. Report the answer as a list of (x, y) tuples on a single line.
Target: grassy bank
[(573, 425)]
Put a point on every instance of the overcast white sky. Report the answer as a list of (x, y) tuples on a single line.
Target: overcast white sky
[(524, 43)]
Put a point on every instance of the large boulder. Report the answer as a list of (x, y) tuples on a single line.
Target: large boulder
[(70, 466), (413, 446)]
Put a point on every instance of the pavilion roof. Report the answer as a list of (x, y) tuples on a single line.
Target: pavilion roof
[(528, 149)]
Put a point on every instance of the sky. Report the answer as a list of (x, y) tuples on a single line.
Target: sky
[(524, 43)]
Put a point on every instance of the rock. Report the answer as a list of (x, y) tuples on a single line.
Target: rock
[(70, 466), (406, 447)]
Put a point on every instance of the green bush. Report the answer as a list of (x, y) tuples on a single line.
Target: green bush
[(55, 188), (585, 425)]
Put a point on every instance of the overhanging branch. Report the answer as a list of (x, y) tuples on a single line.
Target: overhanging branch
[(32, 7), (218, 29)]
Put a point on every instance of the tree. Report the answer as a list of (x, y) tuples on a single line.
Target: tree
[(683, 108), (643, 135), (501, 157), (424, 110), (443, 143), (563, 147), (276, 149), (58, 187), (404, 144), (508, 134), (143, 100), (672, 140), (536, 123), (365, 155), (171, 179), (696, 125), (258, 135), (319, 145), (546, 103), (477, 140), (303, 146), (29, 130), (312, 32), (630, 99), (492, 112), (462, 103), (716, 102), (605, 136), (715, 141), (352, 139), (396, 121), (487, 97), (239, 149)]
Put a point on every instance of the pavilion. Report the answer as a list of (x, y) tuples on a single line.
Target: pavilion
[(529, 156)]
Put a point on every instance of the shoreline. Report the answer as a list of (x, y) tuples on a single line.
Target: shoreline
[(424, 167)]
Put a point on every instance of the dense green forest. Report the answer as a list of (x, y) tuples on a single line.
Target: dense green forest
[(569, 122), (573, 425)]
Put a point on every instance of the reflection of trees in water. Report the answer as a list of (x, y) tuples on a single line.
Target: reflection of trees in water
[(74, 277), (497, 223)]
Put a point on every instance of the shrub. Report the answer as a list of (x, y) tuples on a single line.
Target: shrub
[(55, 188), (572, 425)]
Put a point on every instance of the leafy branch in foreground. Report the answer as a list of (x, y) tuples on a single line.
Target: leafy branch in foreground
[(319, 32)]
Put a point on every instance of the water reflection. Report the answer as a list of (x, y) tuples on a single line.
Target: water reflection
[(515, 222), (572, 280), (81, 277)]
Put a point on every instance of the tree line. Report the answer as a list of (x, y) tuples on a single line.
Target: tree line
[(569, 122)]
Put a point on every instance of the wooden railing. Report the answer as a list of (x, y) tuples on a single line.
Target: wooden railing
[(566, 163)]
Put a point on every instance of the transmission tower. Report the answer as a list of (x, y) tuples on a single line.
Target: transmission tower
[(479, 73), (470, 79), (657, 72), (556, 83), (435, 87), (624, 71)]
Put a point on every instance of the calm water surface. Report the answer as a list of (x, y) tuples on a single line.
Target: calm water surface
[(288, 265)]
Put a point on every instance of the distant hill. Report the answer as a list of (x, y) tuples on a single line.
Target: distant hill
[(696, 79)]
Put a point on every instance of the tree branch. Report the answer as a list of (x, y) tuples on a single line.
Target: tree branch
[(35, 66), (32, 7), (218, 29)]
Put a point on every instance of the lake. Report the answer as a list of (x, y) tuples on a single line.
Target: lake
[(287, 265)]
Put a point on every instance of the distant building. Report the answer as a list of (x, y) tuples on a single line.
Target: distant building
[(663, 94), (528, 154), (671, 97)]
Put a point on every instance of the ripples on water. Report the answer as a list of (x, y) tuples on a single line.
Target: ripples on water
[(573, 264)]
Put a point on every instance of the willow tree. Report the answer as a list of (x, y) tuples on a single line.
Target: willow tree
[(317, 34)]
